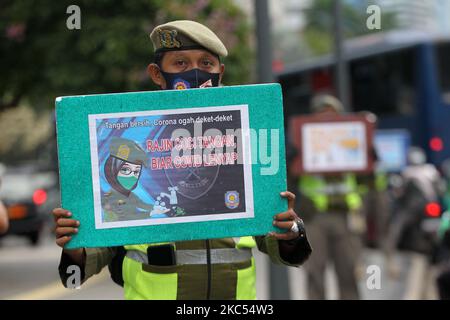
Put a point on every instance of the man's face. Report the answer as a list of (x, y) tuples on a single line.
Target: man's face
[(327, 111), (185, 60)]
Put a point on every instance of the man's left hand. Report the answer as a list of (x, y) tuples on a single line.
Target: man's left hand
[(287, 219)]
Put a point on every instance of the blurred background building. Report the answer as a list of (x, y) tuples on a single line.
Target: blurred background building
[(429, 15)]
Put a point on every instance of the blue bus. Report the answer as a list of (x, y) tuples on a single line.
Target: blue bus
[(404, 78)]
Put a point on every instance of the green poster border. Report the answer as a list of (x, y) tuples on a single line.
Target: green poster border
[(265, 112)]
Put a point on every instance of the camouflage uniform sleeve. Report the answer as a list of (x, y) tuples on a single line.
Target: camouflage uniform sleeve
[(96, 259), (297, 256)]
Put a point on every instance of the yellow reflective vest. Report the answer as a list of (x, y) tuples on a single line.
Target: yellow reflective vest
[(226, 280), (316, 188)]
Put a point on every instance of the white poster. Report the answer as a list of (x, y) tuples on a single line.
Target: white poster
[(331, 146)]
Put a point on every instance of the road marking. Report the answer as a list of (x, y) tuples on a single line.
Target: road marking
[(56, 290), (416, 276)]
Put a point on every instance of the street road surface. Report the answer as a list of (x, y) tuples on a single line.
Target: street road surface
[(28, 272)]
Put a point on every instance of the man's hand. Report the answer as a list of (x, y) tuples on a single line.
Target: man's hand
[(65, 228), (286, 219)]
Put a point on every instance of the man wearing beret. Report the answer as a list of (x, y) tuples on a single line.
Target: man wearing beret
[(187, 55)]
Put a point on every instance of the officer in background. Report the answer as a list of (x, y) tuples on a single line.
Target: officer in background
[(373, 187), (187, 55), (335, 224), (4, 220)]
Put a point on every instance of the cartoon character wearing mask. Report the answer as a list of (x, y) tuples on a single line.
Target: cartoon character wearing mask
[(122, 170)]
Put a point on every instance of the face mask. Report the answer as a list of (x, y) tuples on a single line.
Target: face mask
[(127, 182), (194, 78)]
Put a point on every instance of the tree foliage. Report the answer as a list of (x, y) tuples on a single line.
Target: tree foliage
[(42, 59), (319, 28)]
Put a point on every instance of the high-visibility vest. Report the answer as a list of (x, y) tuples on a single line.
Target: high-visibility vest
[(381, 183), (314, 188), (143, 281)]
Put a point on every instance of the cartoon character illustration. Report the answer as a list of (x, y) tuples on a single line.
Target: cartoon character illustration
[(122, 170)]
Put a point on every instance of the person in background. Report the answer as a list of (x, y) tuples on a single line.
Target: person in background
[(377, 206), (446, 175), (422, 184), (335, 206), (443, 278), (4, 222)]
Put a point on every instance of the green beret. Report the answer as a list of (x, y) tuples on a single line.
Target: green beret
[(185, 35), (128, 151)]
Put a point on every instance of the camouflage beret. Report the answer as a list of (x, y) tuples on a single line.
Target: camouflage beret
[(128, 151), (186, 35)]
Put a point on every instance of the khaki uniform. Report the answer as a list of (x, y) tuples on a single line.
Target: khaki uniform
[(193, 279), (333, 241)]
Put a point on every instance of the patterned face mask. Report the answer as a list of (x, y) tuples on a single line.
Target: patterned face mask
[(194, 78)]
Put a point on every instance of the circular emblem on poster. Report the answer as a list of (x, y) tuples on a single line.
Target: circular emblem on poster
[(232, 199)]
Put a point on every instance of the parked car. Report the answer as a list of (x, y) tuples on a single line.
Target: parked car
[(28, 194)]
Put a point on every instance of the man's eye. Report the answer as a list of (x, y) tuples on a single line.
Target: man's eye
[(207, 63), (180, 63)]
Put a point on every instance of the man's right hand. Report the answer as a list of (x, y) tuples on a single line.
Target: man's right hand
[(65, 228)]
